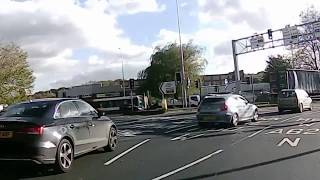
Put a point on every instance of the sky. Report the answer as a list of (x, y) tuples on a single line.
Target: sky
[(71, 42)]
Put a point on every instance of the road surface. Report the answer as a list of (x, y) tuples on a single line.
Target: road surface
[(285, 146)]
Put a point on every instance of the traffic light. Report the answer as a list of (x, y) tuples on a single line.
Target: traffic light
[(178, 77), (131, 83), (248, 80), (121, 84), (270, 34), (197, 83)]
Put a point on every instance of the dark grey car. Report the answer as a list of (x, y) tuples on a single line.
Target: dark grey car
[(54, 131)]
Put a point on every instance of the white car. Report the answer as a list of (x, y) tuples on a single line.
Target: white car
[(294, 99), (194, 100)]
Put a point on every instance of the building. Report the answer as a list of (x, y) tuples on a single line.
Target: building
[(99, 89), (219, 79)]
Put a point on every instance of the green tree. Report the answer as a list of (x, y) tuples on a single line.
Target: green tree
[(276, 64), (15, 75), (165, 62)]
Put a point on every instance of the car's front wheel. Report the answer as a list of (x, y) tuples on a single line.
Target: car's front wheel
[(112, 140), (64, 156), (300, 108)]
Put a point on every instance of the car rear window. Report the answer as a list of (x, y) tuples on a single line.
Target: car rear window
[(33, 109), (285, 94), (212, 102)]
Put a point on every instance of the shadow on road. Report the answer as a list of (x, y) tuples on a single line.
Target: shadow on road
[(20, 170), (211, 175)]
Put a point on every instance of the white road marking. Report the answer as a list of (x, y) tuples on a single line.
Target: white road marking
[(125, 152), (188, 165), (192, 137), (177, 129), (194, 129), (179, 137), (214, 130), (291, 143)]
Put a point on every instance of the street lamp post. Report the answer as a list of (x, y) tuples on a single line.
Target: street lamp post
[(183, 79), (123, 83)]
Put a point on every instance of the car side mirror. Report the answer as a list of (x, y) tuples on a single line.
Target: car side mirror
[(101, 113)]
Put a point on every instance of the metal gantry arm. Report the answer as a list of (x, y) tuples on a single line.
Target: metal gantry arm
[(283, 37)]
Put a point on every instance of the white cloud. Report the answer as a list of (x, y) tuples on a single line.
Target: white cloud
[(52, 30)]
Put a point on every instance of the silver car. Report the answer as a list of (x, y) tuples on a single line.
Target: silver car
[(294, 99), (227, 109)]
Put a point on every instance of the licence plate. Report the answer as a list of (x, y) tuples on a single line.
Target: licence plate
[(6, 134), (209, 118)]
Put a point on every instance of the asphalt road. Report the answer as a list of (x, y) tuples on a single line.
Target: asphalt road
[(285, 146)]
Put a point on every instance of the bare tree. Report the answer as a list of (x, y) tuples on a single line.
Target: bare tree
[(308, 54)]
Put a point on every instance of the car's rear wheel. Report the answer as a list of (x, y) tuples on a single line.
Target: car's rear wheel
[(234, 120), (255, 116), (310, 109), (64, 156), (112, 140)]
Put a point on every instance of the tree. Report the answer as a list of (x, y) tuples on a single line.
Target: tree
[(15, 75), (165, 62), (308, 54), (276, 64)]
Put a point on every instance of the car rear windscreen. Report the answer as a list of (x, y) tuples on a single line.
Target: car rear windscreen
[(32, 109), (210, 103), (285, 94)]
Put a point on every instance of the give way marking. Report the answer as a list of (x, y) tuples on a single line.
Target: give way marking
[(125, 152)]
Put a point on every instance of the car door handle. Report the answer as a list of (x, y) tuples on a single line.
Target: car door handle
[(72, 126)]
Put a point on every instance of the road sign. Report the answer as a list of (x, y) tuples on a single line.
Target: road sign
[(290, 35), (168, 87), (257, 42), (316, 27)]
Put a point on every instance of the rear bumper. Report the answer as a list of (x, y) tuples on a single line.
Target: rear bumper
[(214, 118), (38, 155)]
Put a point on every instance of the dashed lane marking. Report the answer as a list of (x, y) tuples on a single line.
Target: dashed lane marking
[(125, 152), (188, 165)]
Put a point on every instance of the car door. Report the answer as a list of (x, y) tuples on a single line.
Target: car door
[(97, 128), (68, 113), (240, 105), (247, 112), (307, 100)]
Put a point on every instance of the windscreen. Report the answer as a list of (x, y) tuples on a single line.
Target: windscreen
[(287, 94)]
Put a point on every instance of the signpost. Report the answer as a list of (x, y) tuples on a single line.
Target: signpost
[(316, 27), (290, 35), (168, 87), (257, 42)]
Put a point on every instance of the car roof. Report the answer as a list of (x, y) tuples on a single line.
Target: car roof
[(225, 96), (56, 100)]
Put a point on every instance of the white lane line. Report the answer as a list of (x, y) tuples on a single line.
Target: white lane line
[(192, 137), (193, 129), (187, 166), (177, 129), (125, 152), (179, 137)]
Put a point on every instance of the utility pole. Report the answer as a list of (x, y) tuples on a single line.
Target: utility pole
[(123, 83), (236, 67), (183, 79)]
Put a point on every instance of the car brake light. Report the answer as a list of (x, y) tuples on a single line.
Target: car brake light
[(224, 107), (38, 130)]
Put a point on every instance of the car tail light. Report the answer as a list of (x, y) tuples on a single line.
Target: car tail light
[(37, 130), (224, 107)]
